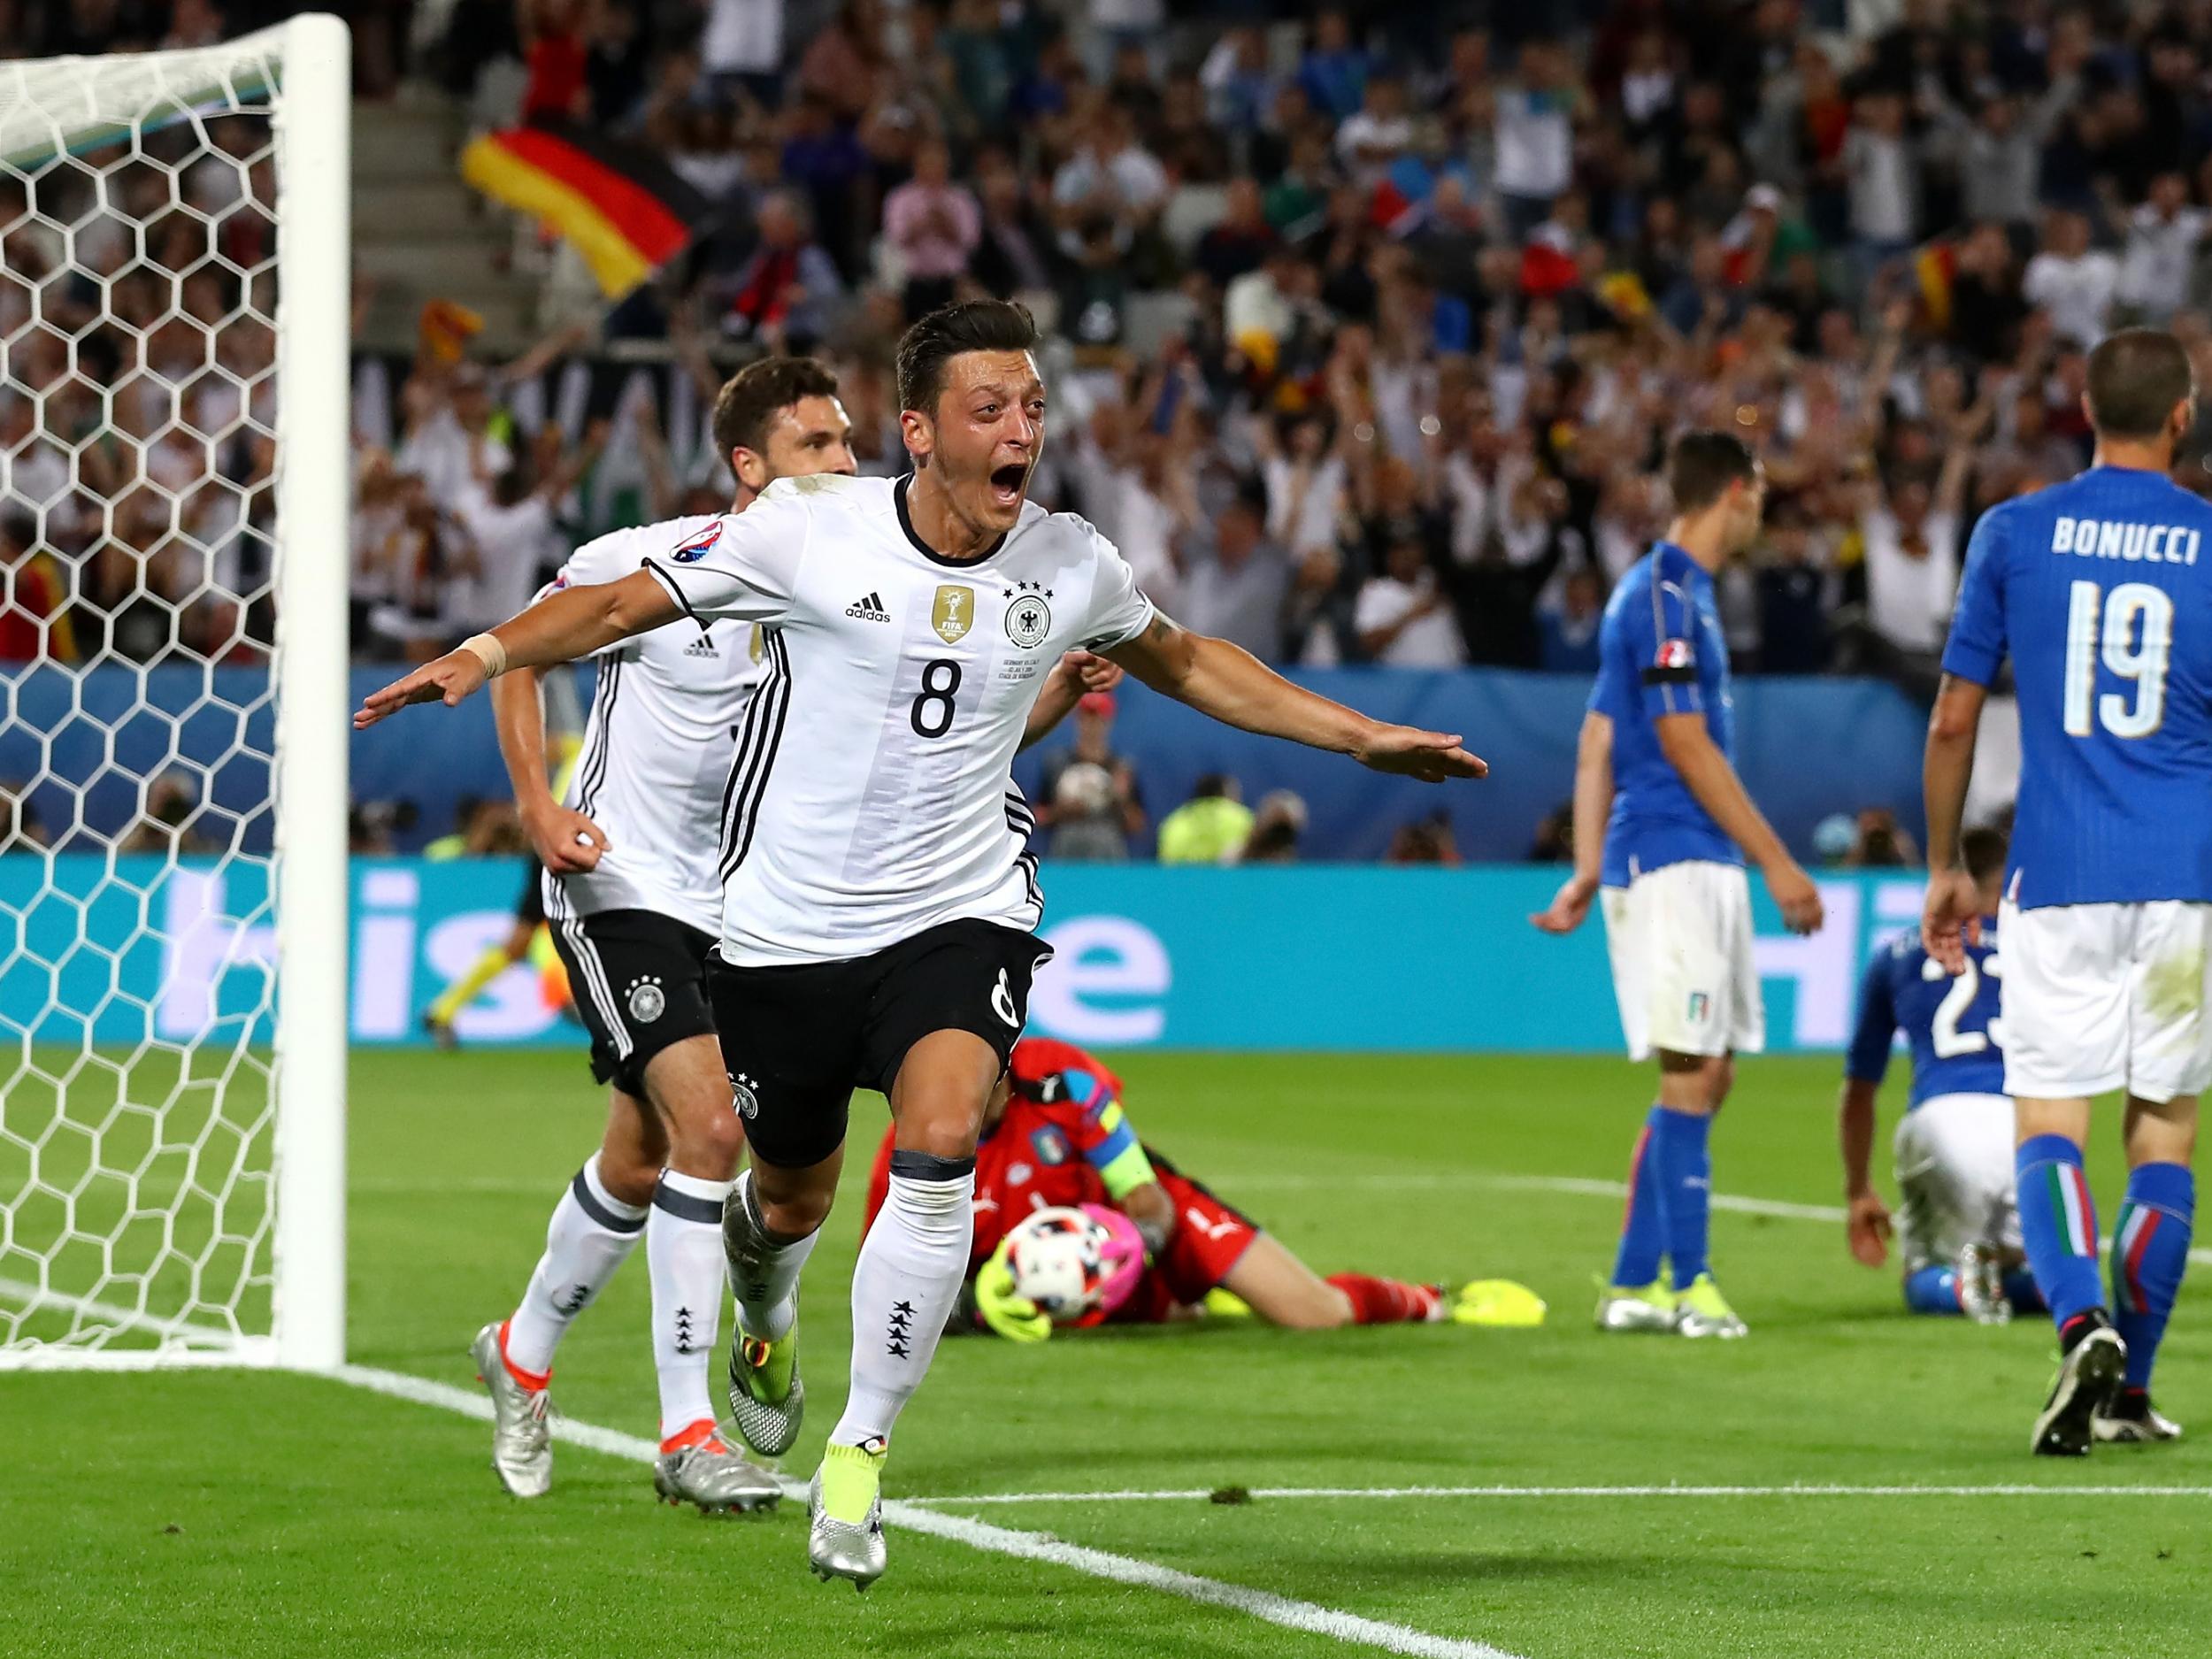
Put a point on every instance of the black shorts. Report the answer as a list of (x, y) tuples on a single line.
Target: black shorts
[(638, 979), (797, 1041), (530, 906)]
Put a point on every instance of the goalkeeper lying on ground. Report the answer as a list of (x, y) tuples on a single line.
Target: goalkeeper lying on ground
[(1054, 1134)]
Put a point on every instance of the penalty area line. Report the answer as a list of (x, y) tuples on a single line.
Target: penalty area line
[(1185, 1495), (910, 1515)]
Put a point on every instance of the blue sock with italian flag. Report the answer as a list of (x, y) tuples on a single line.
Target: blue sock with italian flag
[(2058, 1224), (2150, 1247), (1644, 1218)]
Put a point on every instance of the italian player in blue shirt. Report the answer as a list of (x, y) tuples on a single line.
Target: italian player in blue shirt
[(1959, 1230), (2090, 587), (1662, 825)]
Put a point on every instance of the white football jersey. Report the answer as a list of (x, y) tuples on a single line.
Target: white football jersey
[(657, 749), (872, 797)]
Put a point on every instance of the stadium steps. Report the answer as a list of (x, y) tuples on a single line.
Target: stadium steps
[(420, 233)]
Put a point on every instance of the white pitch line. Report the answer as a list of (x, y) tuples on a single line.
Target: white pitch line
[(908, 1514), (1577, 1185), (1364, 1493)]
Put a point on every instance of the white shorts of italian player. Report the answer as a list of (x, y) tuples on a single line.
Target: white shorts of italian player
[(2105, 997), (1955, 1184), (1679, 937)]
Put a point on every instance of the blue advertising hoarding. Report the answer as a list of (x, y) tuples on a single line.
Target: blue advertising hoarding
[(1337, 957)]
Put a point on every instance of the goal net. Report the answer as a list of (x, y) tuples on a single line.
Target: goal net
[(174, 320)]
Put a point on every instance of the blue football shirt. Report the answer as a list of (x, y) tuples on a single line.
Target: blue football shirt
[(1950, 1024), (1661, 651), (2100, 589)]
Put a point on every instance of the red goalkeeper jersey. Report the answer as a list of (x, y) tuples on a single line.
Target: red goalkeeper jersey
[(1063, 1131)]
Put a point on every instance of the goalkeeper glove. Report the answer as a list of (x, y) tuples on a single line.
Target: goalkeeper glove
[(1015, 1318)]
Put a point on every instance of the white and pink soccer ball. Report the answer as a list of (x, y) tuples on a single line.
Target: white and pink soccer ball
[(1077, 1265)]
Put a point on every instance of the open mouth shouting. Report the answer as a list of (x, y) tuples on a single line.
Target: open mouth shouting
[(1007, 483)]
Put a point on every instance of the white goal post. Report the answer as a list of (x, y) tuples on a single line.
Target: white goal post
[(175, 285)]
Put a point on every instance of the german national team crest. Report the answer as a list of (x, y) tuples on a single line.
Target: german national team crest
[(1028, 618), (743, 1102), (953, 614), (647, 1001)]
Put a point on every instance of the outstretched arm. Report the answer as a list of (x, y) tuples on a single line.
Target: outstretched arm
[(557, 629), (1592, 805), (1229, 683)]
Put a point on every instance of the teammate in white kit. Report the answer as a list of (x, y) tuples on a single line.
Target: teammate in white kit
[(879, 901), (633, 900)]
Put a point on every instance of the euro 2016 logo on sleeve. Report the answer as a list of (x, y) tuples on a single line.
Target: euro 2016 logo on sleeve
[(647, 1001), (953, 614), (743, 1100), (694, 549), (1028, 617)]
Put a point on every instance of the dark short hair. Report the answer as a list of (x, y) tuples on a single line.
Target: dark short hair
[(751, 399), (948, 332), (1701, 466), (2135, 376), (1984, 850)]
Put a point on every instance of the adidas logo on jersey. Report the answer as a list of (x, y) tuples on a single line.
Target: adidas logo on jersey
[(869, 609), (701, 646)]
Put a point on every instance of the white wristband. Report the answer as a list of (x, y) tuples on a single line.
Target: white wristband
[(487, 650)]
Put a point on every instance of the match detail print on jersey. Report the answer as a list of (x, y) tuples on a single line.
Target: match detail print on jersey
[(871, 796), (657, 746)]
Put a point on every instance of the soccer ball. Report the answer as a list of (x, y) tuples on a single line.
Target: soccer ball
[(1058, 1259)]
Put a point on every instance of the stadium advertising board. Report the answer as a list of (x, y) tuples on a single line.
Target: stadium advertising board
[(1314, 957)]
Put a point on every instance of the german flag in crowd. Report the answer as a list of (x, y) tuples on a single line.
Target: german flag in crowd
[(625, 211)]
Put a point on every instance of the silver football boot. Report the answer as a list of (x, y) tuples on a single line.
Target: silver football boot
[(767, 1397), (522, 1449), (1981, 1276), (1635, 1308), (712, 1476), (847, 1548)]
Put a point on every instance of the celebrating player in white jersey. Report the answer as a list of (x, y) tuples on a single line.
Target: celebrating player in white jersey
[(633, 899), (879, 901)]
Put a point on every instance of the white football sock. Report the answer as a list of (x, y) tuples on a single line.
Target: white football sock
[(764, 1267), (905, 1287), (591, 1234), (683, 1248)]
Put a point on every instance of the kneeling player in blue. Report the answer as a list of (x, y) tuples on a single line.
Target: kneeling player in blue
[(1960, 1227), (2095, 589)]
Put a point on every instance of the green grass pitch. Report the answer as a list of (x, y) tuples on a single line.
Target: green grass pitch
[(240, 1514)]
